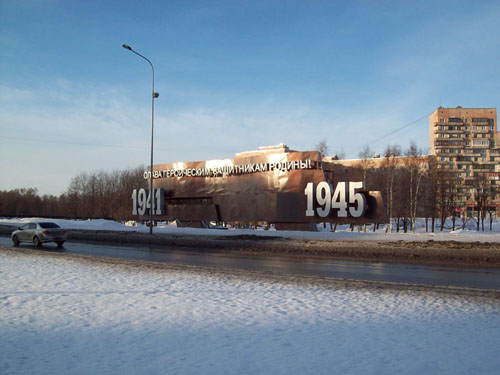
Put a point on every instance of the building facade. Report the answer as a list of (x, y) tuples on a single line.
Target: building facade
[(466, 144)]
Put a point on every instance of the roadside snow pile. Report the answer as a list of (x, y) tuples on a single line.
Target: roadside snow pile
[(343, 232), (62, 315)]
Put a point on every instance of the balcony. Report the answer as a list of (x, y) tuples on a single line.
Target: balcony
[(447, 131), (448, 145), (482, 130)]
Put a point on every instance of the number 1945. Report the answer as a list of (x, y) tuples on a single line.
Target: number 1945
[(345, 200)]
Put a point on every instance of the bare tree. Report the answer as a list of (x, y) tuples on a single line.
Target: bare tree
[(447, 185), (365, 162), (416, 167), (389, 167), (322, 147), (429, 193), (484, 196)]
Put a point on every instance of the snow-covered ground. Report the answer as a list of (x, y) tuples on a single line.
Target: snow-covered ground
[(62, 315), (343, 232)]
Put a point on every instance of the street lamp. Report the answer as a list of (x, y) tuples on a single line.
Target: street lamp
[(154, 95)]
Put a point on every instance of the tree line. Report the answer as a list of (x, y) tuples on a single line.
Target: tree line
[(92, 195), (414, 187)]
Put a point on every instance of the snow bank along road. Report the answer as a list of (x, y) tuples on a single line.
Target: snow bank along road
[(415, 274), (469, 253), (63, 314), (467, 248)]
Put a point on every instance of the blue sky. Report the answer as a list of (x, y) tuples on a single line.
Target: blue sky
[(232, 76)]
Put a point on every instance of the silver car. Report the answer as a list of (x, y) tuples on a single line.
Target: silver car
[(39, 233)]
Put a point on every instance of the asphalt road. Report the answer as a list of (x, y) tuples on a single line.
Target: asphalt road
[(461, 277)]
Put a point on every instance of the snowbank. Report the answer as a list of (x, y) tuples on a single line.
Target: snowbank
[(343, 232)]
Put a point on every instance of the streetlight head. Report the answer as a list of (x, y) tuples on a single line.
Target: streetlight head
[(126, 46)]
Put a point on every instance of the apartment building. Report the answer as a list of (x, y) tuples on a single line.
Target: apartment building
[(466, 144)]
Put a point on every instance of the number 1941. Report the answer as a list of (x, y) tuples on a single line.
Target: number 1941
[(141, 202), (345, 200)]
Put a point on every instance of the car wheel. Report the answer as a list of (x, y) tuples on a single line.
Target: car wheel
[(36, 241), (60, 243), (15, 240)]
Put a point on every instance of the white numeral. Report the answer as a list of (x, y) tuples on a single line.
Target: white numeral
[(141, 201), (309, 190), (323, 198), (357, 199), (339, 201), (345, 201), (159, 201)]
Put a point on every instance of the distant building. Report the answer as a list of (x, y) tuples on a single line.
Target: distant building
[(466, 144)]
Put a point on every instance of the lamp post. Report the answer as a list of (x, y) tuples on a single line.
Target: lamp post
[(154, 95)]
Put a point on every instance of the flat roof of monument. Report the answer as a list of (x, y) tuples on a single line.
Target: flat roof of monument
[(281, 148)]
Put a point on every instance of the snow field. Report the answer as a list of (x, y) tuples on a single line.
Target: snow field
[(62, 314)]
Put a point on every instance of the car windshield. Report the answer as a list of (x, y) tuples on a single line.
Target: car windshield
[(49, 225)]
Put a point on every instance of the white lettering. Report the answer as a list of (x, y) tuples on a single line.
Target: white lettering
[(230, 170)]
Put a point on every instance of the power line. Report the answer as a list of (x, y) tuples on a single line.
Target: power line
[(398, 130)]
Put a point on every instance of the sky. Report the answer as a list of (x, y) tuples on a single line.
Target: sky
[(232, 76)]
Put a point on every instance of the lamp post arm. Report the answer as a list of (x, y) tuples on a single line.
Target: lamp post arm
[(145, 58)]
